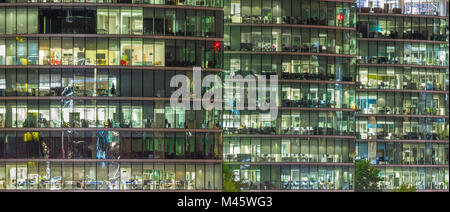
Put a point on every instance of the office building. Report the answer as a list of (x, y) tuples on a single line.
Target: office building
[(85, 90), (402, 91), (358, 80), (311, 46), (85, 94)]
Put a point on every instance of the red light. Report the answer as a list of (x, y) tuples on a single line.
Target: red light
[(217, 46), (340, 17)]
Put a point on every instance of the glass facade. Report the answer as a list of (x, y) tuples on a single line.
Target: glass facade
[(203, 3), (314, 150), (277, 39), (102, 113), (423, 178), (292, 67), (401, 27), (113, 176), (410, 7), (403, 53), (111, 20), (107, 144), (402, 91), (90, 82), (64, 51), (296, 12), (311, 47), (391, 128), (291, 121), (294, 177), (389, 153), (85, 95)]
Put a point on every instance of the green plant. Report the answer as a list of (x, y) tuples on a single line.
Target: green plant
[(405, 188), (366, 177), (228, 182)]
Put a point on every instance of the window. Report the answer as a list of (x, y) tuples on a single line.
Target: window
[(10, 20), (114, 20), (55, 51), (148, 21), (159, 21), (22, 52), (102, 20), (136, 21), (125, 20), (91, 47), (102, 52), (67, 51), (78, 51), (137, 52), (148, 52), (2, 20), (170, 22), (10, 51), (126, 51), (113, 52), (22, 20), (160, 53)]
